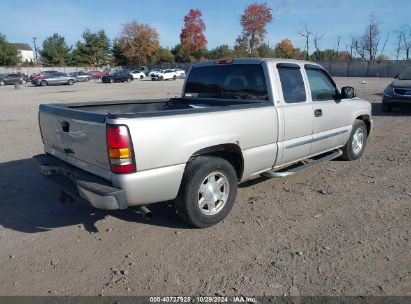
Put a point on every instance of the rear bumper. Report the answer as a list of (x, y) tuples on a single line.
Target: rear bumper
[(400, 102), (81, 185)]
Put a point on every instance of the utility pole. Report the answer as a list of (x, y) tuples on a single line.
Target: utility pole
[(35, 49)]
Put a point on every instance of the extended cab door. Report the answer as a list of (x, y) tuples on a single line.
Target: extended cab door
[(295, 109), (331, 115)]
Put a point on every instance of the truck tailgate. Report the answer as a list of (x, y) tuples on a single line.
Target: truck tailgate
[(75, 140)]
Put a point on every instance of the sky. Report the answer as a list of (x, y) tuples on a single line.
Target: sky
[(21, 20)]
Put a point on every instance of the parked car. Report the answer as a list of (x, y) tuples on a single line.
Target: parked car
[(143, 69), (236, 120), (81, 76), (57, 78), (42, 74), (180, 73), (164, 75), (153, 72), (97, 74), (119, 76), (6, 79), (398, 92), (137, 74)]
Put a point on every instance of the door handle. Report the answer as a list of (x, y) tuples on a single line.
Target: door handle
[(318, 113)]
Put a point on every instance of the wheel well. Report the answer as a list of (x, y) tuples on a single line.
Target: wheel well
[(230, 152), (367, 121)]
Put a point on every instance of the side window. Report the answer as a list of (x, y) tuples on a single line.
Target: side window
[(322, 88), (292, 84)]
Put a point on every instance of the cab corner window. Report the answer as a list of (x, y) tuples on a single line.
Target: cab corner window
[(292, 85), (322, 87)]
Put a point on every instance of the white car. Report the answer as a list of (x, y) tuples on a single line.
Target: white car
[(164, 75), (153, 72), (138, 75), (180, 73)]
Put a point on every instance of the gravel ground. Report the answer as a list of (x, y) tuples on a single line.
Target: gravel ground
[(340, 229)]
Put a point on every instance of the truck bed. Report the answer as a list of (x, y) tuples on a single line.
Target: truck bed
[(99, 111)]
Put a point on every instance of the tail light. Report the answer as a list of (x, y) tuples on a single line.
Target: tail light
[(225, 61), (120, 149)]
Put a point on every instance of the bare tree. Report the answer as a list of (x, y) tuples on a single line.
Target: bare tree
[(398, 49), (317, 38), (306, 34), (366, 45), (383, 47), (338, 46), (405, 32)]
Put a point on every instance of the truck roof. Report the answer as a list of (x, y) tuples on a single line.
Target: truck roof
[(256, 61)]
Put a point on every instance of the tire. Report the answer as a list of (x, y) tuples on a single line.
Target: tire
[(357, 141), (160, 78), (201, 171), (111, 80), (174, 77), (386, 108), (141, 77), (2, 83), (70, 82), (128, 80), (43, 83), (23, 82)]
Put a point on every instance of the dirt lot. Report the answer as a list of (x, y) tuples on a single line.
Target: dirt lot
[(341, 229)]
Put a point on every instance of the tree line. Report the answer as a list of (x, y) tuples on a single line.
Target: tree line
[(139, 44)]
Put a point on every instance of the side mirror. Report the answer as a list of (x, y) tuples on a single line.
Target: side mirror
[(348, 93)]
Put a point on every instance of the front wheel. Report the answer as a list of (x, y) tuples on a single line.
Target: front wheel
[(174, 77), (2, 83), (70, 82), (43, 83), (207, 192), (355, 145)]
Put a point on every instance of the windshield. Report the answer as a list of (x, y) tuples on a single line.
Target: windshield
[(406, 75), (236, 81)]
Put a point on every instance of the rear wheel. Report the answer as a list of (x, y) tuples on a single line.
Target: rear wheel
[(207, 192), (141, 76), (355, 145), (128, 80), (111, 80), (70, 82), (2, 83), (174, 77), (43, 83)]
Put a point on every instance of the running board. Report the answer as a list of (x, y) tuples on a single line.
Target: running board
[(306, 166)]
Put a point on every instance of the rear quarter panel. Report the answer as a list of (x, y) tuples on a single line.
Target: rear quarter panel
[(171, 140)]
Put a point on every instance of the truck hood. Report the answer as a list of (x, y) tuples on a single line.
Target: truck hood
[(398, 83)]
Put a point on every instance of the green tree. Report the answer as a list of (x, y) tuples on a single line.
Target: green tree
[(55, 51), (179, 57), (94, 50), (164, 55), (221, 52), (118, 56), (8, 54), (265, 51)]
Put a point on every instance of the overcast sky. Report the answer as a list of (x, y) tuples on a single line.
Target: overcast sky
[(22, 20)]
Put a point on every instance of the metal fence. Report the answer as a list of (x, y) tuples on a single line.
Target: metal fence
[(365, 68), (335, 68)]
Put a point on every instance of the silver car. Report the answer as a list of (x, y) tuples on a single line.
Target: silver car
[(54, 79)]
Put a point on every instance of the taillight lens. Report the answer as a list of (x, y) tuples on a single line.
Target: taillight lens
[(225, 61), (120, 149)]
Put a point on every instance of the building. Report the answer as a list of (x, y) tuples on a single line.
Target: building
[(25, 51)]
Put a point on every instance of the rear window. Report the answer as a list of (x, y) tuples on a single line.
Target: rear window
[(236, 81)]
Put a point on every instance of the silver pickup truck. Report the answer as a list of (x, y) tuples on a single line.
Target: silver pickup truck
[(236, 119)]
